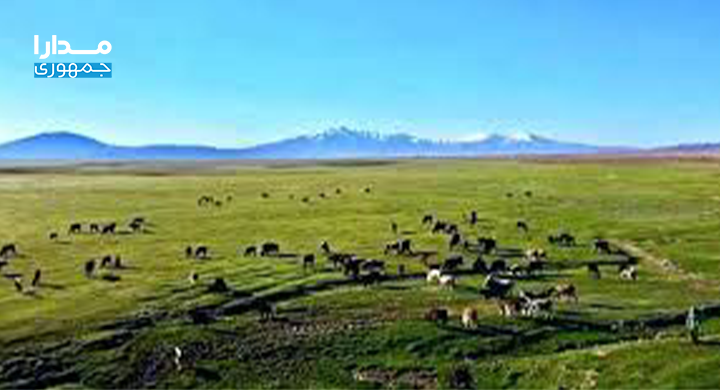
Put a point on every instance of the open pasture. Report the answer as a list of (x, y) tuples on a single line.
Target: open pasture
[(280, 324)]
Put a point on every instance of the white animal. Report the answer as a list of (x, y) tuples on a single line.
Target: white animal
[(629, 273), (469, 318), (433, 276), (447, 281), (178, 356)]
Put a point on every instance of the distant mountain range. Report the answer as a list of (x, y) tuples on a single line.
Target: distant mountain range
[(335, 143)]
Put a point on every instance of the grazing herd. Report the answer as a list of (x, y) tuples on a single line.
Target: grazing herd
[(485, 257)]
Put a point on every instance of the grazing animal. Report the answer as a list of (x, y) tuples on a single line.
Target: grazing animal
[(427, 219), (448, 281), (94, 228), (118, 262), (177, 358), (510, 307), (309, 260), (401, 269), (367, 190), (338, 191), (372, 277), (106, 261), (495, 287), (201, 252), (406, 247), (594, 270), (566, 292), (486, 245), (8, 250), (452, 263), (351, 267), (325, 247), (563, 239), (523, 226), (218, 286), (529, 194), (535, 307), (629, 273), (473, 218), (265, 309), (251, 251), (89, 268), (543, 294), (602, 246), (135, 226), (53, 236), (265, 195), (437, 315), (469, 318), (479, 265), (439, 227), (188, 252), (394, 227), (269, 248), (498, 265), (535, 254), (75, 228), (109, 228), (306, 199), (322, 195), (338, 259), (455, 240), (193, 277), (18, 284), (433, 276)]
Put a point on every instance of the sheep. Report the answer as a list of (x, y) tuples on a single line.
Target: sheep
[(433, 276), (469, 318), (447, 281), (629, 273)]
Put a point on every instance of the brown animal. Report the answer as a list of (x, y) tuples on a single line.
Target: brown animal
[(437, 315)]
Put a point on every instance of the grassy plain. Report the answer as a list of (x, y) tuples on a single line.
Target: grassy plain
[(123, 333)]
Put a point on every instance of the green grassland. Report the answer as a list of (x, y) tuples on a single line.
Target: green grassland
[(75, 331)]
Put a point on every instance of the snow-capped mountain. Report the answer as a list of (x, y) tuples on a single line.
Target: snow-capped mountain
[(334, 143)]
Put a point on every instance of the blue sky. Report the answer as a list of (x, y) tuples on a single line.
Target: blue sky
[(232, 73)]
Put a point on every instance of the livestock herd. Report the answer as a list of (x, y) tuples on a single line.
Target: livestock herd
[(469, 254)]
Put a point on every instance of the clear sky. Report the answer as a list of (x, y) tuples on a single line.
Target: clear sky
[(232, 73)]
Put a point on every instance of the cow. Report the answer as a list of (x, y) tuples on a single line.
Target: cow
[(18, 284), (447, 281), (629, 273), (372, 277), (393, 227), (75, 228), (109, 228), (565, 292), (338, 259), (352, 267), (322, 195), (594, 270), (325, 247), (106, 261), (374, 265), (250, 251), (53, 236), (89, 268), (94, 228), (498, 265), (201, 252), (309, 261), (135, 226), (265, 195), (437, 315), (452, 263), (602, 246), (455, 240), (479, 265), (338, 191), (439, 227), (118, 262), (495, 287), (433, 276), (188, 252), (406, 247), (218, 286), (427, 219), (265, 309), (562, 239), (269, 249), (486, 245), (8, 251), (522, 226), (401, 269)]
